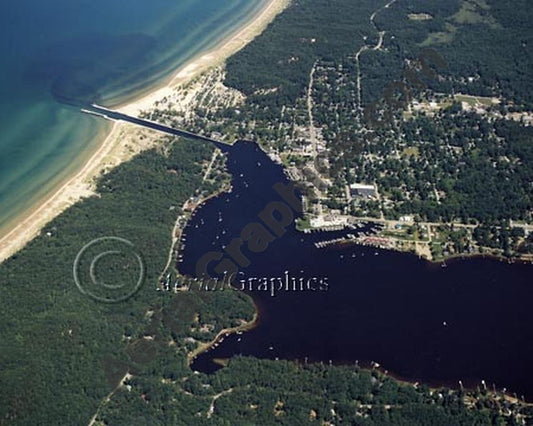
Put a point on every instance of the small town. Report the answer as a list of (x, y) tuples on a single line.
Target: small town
[(338, 197)]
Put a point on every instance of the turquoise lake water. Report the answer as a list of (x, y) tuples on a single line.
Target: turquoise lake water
[(105, 50)]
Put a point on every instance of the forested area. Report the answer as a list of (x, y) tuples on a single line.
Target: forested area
[(262, 392), (282, 56), (489, 41), (486, 44), (61, 352)]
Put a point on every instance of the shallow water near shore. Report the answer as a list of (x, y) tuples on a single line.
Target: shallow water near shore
[(469, 321), (84, 51)]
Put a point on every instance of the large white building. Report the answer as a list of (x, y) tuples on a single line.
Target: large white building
[(362, 190)]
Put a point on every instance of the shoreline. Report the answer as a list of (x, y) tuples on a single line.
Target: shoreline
[(112, 150), (217, 54), (441, 261), (221, 335)]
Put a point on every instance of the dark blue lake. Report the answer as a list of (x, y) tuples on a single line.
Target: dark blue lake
[(469, 321)]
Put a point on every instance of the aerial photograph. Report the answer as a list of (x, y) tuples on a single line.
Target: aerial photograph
[(266, 212)]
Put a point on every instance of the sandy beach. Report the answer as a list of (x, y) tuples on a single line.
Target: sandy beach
[(124, 140)]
